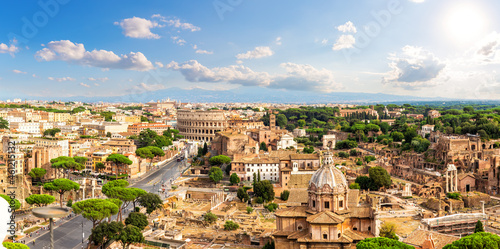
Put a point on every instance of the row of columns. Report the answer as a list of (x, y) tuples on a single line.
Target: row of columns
[(451, 181), (216, 200)]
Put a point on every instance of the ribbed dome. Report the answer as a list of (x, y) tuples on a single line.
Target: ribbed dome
[(329, 175)]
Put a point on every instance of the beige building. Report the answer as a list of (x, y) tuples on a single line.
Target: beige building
[(331, 219), (201, 125)]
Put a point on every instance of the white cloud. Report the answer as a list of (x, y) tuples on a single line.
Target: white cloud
[(70, 52), (34, 76), (417, 1), (18, 71), (305, 77), (348, 27), (486, 51), (61, 79), (182, 25), (201, 51), (258, 52), (239, 62), (98, 79), (413, 68), (278, 41), (152, 87), (159, 64), (178, 40), (193, 71), (137, 27), (344, 42), (324, 41), (96, 84), (84, 85), (297, 77), (12, 49)]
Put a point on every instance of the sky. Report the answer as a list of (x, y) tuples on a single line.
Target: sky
[(63, 48)]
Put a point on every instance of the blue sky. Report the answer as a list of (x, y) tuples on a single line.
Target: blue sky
[(65, 48)]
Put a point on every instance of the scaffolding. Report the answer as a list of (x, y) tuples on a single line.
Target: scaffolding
[(456, 224)]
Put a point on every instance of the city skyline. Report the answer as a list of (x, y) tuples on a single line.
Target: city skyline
[(415, 48)]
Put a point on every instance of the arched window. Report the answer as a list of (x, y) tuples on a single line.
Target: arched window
[(338, 236), (299, 228)]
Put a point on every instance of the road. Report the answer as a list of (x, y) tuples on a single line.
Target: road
[(69, 234)]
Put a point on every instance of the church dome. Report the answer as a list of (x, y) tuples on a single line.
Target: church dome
[(328, 178)]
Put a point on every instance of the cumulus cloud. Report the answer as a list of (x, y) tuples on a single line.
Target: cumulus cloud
[(258, 52), (348, 27), (178, 40), (76, 53), (12, 49), (344, 42), (413, 68), (98, 79), (297, 77), (201, 51), (278, 41), (137, 27), (485, 51), (61, 79), (193, 71), (84, 85), (18, 71), (305, 77), (176, 23), (151, 87)]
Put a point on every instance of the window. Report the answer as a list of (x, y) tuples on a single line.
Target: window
[(339, 235), (341, 204), (299, 228), (325, 236), (314, 203), (327, 204)]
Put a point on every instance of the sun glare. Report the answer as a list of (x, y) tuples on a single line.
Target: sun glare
[(465, 23)]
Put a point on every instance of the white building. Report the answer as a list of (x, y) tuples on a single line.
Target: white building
[(29, 127), (426, 129), (299, 132), (268, 168), (285, 142), (12, 119)]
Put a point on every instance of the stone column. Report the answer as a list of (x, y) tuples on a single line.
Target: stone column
[(451, 181), (447, 183), (456, 180)]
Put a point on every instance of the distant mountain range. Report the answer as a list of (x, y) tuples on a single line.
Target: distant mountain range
[(250, 95)]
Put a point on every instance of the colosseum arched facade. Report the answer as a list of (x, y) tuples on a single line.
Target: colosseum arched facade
[(200, 125)]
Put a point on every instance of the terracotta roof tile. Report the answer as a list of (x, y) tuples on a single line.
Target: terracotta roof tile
[(325, 217), (419, 236)]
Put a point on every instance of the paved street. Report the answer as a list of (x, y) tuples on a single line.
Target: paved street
[(69, 234)]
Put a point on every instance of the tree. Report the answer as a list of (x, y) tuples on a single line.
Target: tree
[(151, 138), (96, 210), (108, 134), (61, 186), (479, 227), (263, 146), (112, 184), (353, 152), (4, 124), (345, 144), (249, 210), (308, 150), (264, 189), (17, 204), (130, 234), (354, 186), (271, 207), (65, 163), (397, 136), (151, 202), (410, 134), (380, 177), (100, 166), (126, 195), (37, 173), (284, 195), (51, 132), (137, 219), (118, 160), (234, 179), (11, 245), (231, 225), (215, 174), (219, 160), (69, 203), (301, 123), (281, 120), (454, 195), (210, 218), (382, 243), (242, 194), (365, 183), (138, 193), (40, 200), (205, 149), (269, 245), (104, 232), (145, 153), (388, 230), (481, 240)]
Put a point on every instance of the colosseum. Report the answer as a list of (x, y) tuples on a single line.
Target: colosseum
[(200, 125)]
